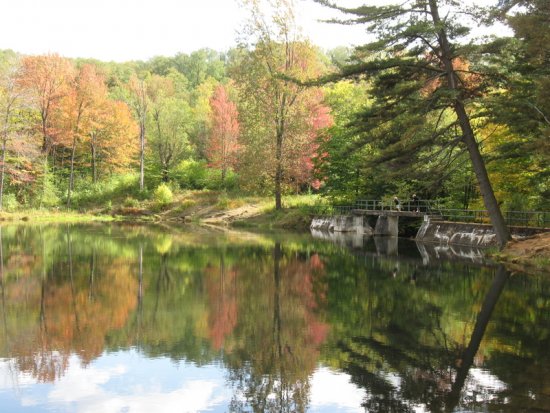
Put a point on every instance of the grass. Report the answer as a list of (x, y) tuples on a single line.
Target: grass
[(191, 204), (297, 213), (53, 216)]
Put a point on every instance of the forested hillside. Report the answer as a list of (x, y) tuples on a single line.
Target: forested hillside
[(277, 115)]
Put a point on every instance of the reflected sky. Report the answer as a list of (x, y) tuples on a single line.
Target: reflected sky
[(131, 382)]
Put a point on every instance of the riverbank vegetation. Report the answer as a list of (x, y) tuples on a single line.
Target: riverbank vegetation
[(277, 116)]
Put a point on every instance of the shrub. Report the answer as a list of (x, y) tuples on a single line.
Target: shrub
[(163, 195), (131, 202), (47, 195), (223, 201), (191, 174), (9, 202)]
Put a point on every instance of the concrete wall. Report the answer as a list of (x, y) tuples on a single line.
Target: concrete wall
[(439, 232), (475, 235), (341, 223), (387, 225)]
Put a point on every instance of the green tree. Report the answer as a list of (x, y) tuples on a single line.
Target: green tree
[(522, 101), (170, 119), (139, 101), (10, 102), (276, 111), (422, 84)]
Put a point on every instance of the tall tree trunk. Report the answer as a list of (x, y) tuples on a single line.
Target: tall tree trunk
[(45, 139), (5, 132), (94, 166), (278, 170), (71, 176), (489, 199), (142, 155), (468, 137), (2, 171), (44, 181)]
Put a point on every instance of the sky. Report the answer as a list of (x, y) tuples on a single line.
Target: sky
[(122, 30)]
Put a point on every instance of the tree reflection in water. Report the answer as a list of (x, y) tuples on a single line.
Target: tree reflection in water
[(415, 333), (280, 336)]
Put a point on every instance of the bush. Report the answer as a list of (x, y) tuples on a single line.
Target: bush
[(131, 202), (223, 201), (47, 195), (9, 203), (163, 195), (193, 174), (117, 188)]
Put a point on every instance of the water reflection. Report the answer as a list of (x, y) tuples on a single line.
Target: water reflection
[(130, 318), (389, 246)]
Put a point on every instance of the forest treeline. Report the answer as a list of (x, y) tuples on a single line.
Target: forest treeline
[(278, 115)]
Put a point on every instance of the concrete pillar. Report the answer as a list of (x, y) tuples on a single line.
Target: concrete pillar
[(387, 225)]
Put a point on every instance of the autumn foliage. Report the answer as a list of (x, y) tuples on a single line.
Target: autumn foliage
[(223, 144)]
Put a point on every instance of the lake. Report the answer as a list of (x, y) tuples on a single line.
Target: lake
[(130, 318)]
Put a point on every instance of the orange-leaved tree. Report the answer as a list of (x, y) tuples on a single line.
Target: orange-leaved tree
[(80, 109), (47, 79), (112, 138)]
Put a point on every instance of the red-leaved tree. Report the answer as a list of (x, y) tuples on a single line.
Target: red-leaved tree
[(223, 144)]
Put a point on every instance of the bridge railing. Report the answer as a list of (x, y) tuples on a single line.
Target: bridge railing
[(420, 205), (531, 219), (475, 216), (539, 219)]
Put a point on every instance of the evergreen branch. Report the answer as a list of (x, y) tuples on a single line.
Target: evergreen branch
[(540, 112)]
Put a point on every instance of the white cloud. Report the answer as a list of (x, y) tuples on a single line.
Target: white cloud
[(11, 378), (80, 383), (331, 389)]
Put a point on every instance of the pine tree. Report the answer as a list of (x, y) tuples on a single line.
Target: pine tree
[(423, 86)]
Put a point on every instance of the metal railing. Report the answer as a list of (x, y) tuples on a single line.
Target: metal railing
[(538, 219), (434, 208), (530, 219), (426, 206)]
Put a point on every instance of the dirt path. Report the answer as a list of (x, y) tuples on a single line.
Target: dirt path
[(227, 216)]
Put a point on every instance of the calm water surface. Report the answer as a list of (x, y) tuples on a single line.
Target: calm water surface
[(112, 318)]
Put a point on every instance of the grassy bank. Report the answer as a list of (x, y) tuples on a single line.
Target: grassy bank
[(52, 216), (199, 206), (219, 208)]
